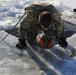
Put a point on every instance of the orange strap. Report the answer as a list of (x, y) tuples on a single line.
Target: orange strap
[(50, 44), (41, 42)]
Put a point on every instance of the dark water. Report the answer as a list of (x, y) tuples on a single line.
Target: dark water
[(70, 29), (14, 32)]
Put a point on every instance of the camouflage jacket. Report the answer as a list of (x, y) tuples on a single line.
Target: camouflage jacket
[(33, 11)]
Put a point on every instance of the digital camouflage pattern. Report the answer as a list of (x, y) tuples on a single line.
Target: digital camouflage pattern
[(30, 26)]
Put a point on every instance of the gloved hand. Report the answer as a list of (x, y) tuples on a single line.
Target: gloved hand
[(21, 44), (63, 42)]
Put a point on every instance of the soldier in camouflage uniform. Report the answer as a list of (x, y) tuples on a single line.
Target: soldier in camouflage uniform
[(32, 23)]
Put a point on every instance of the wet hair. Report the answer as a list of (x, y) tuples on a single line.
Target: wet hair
[(45, 19)]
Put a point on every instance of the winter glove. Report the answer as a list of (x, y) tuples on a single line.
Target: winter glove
[(21, 44), (63, 42)]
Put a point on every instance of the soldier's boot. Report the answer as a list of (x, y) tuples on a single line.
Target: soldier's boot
[(21, 44), (63, 42)]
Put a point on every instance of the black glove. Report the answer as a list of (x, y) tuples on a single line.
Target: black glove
[(21, 44), (63, 42)]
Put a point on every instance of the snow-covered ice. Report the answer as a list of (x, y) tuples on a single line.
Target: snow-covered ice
[(10, 61), (55, 61)]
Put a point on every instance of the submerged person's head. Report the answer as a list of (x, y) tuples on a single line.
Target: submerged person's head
[(45, 19)]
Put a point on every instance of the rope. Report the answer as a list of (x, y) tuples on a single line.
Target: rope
[(12, 29)]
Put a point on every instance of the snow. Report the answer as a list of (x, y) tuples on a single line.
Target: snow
[(56, 61), (15, 9), (11, 62), (69, 3)]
